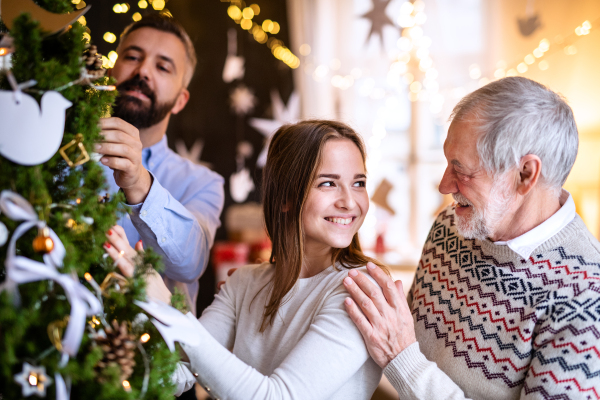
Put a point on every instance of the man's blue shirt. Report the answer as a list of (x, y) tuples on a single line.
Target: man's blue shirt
[(178, 218)]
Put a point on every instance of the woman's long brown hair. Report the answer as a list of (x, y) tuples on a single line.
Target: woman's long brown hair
[(293, 160)]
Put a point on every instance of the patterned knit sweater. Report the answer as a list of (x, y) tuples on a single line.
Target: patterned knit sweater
[(491, 325)]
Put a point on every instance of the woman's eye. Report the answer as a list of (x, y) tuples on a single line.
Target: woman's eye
[(360, 184), (326, 184), (130, 58)]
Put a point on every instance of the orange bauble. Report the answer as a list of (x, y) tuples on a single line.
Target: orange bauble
[(43, 242)]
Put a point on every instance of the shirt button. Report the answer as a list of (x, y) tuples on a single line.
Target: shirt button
[(163, 240), (143, 213), (207, 388)]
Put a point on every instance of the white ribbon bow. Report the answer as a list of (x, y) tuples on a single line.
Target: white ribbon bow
[(17, 208), (20, 270), (171, 323)]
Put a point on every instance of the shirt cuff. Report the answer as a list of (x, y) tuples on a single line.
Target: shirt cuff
[(405, 370)]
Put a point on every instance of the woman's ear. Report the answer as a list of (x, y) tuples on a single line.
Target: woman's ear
[(530, 170)]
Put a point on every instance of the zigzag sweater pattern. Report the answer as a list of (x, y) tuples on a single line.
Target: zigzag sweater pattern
[(491, 325)]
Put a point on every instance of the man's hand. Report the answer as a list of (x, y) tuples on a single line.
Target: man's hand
[(221, 283), (388, 327), (122, 152)]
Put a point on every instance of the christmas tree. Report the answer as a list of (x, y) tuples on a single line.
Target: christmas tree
[(68, 322)]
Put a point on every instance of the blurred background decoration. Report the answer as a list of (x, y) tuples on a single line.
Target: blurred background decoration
[(392, 69)]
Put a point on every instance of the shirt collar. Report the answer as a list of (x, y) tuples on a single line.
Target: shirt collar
[(525, 244), (153, 155)]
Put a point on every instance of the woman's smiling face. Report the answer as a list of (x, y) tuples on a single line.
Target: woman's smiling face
[(337, 201)]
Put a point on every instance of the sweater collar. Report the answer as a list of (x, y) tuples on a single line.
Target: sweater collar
[(525, 244)]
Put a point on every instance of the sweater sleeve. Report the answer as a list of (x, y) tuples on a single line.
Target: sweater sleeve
[(325, 358), (415, 377)]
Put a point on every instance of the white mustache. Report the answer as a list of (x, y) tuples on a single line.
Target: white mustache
[(459, 198)]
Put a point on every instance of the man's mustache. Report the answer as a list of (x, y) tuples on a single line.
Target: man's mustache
[(138, 84)]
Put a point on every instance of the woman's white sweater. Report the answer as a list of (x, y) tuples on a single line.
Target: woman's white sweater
[(313, 350)]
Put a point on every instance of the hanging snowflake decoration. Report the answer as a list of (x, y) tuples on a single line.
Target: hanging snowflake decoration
[(242, 100)]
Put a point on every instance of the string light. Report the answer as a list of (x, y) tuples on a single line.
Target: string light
[(136, 16), (158, 4), (110, 37), (126, 384), (143, 4), (144, 338), (244, 17), (82, 20), (112, 56), (544, 48)]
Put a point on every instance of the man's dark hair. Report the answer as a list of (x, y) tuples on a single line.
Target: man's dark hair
[(165, 23)]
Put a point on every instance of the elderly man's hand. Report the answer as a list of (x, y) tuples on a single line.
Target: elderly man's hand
[(388, 327), (122, 152)]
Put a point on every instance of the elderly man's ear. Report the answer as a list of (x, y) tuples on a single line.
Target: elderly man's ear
[(530, 170)]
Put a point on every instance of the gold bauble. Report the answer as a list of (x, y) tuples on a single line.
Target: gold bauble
[(43, 242)]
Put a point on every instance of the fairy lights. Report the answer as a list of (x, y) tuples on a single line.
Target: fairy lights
[(244, 16), (544, 48)]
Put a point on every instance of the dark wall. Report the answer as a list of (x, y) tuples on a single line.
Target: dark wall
[(208, 116)]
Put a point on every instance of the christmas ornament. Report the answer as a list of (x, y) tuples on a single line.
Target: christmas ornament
[(93, 65), (282, 115), (43, 243), (114, 281), (50, 22), (380, 196), (529, 24), (15, 207), (82, 158), (31, 134), (240, 182), (55, 331), (118, 346), (192, 154), (240, 185), (33, 380), (242, 100), (3, 234), (6, 44), (234, 64), (171, 323), (378, 18)]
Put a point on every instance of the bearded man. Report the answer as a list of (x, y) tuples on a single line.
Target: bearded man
[(506, 298), (175, 204)]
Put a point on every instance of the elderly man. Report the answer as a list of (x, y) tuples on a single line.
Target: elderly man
[(175, 204), (506, 298)]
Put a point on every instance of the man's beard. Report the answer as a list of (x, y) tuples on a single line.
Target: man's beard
[(482, 223), (132, 110)]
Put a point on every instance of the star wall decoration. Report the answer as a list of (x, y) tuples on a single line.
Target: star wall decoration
[(378, 18), (282, 115), (242, 100), (192, 154)]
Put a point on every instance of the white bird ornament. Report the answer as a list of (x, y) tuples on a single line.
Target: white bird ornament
[(30, 134)]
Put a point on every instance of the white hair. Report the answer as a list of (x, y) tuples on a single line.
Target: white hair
[(516, 116)]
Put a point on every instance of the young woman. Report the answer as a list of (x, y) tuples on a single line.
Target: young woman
[(279, 330)]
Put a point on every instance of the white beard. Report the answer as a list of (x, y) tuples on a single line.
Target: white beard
[(481, 224)]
